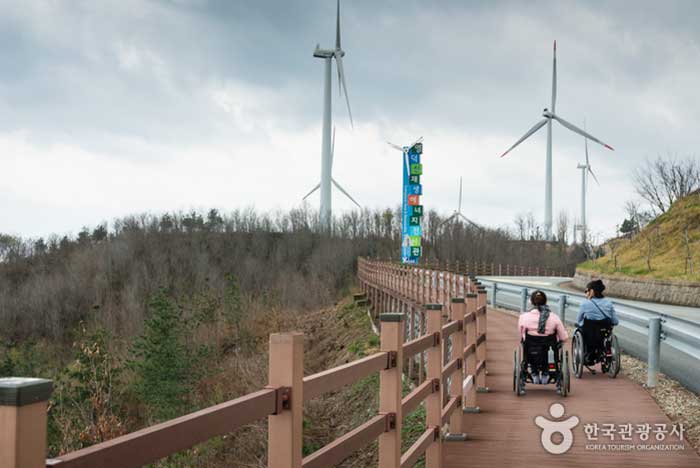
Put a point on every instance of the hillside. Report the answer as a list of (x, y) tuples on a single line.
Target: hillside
[(661, 245)]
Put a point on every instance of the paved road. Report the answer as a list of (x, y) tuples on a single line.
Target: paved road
[(560, 284), (504, 433)]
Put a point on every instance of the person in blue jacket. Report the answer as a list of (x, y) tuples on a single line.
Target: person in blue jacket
[(596, 306)]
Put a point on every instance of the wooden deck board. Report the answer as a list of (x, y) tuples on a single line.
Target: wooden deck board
[(504, 433)]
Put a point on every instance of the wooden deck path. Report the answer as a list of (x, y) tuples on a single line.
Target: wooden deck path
[(504, 433)]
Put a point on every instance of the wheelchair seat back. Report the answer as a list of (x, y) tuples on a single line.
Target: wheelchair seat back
[(594, 332), (537, 349)]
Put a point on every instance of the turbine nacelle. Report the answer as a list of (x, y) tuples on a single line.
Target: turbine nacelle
[(546, 114)]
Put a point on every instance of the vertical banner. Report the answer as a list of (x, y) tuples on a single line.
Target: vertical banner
[(411, 209)]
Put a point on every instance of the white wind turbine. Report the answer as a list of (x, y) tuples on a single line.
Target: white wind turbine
[(585, 170), (327, 145), (458, 213), (405, 150), (548, 117)]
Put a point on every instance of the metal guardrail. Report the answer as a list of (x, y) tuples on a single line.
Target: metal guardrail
[(673, 345)]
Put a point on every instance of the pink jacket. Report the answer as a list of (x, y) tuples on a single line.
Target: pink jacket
[(527, 323)]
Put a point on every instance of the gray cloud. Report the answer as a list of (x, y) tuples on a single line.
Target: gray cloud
[(135, 80)]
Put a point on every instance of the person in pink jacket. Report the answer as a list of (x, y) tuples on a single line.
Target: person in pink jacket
[(540, 321)]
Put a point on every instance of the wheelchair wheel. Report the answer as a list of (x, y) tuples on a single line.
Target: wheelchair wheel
[(565, 376), (614, 364), (517, 374), (577, 353)]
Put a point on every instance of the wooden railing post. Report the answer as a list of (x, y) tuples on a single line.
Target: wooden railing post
[(390, 386), (286, 369), (433, 403), (457, 312), (23, 405), (470, 403)]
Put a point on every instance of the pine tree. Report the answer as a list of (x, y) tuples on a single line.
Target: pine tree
[(162, 363)]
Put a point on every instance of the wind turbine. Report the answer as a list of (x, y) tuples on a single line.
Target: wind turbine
[(585, 170), (326, 145), (404, 150), (458, 213), (549, 116)]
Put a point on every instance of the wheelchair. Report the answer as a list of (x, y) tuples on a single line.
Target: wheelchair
[(595, 343), (541, 360)]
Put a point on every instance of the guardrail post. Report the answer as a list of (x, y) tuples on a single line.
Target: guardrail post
[(562, 308), (494, 289), (23, 403), (390, 386), (654, 351), (457, 312), (286, 369), (433, 403), (523, 300), (470, 405)]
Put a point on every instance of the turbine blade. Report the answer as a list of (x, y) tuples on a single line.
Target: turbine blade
[(554, 79), (337, 27), (345, 193), (459, 209), (394, 146), (416, 142), (318, 186), (447, 220), (536, 127), (332, 147), (341, 72), (469, 221), (586, 145), (405, 160), (594, 177), (575, 129)]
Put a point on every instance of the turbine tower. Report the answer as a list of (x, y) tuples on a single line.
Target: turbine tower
[(326, 150), (458, 213), (549, 116), (585, 170)]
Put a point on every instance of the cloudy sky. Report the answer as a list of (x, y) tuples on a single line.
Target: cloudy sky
[(109, 108)]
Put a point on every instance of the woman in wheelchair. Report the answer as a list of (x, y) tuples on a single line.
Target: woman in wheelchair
[(594, 341), (542, 334)]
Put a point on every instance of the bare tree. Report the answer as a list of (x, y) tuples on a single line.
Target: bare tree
[(664, 180), (563, 228)]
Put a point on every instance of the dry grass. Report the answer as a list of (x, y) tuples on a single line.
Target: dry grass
[(667, 236)]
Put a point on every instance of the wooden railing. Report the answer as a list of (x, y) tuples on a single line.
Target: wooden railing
[(432, 328)]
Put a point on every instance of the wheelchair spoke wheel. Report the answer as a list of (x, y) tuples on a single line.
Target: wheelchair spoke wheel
[(565, 388), (517, 373), (577, 355), (614, 364)]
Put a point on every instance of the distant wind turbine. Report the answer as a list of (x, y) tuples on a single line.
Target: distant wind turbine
[(404, 150), (326, 145), (548, 117), (585, 170), (458, 213)]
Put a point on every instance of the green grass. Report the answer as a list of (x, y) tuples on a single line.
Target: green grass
[(667, 237)]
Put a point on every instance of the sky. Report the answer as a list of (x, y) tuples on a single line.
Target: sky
[(118, 107)]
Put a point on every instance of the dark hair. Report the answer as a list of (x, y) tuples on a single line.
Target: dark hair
[(597, 287), (538, 298)]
